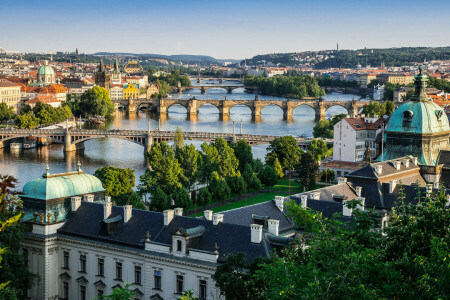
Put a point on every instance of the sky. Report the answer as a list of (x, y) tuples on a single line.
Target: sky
[(234, 29)]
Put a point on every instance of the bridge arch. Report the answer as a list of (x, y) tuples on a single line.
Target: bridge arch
[(337, 109), (273, 110), (303, 109), (137, 140), (208, 108)]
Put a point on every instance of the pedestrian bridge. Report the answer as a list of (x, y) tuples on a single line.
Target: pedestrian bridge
[(74, 139)]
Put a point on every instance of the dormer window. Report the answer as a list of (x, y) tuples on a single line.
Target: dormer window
[(179, 246), (407, 117)]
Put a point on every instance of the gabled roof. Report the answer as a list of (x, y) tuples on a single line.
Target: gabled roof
[(388, 169)]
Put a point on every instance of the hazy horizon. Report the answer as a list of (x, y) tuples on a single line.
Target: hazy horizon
[(224, 30)]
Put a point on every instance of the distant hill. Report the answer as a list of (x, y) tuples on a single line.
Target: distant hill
[(351, 58), (186, 58)]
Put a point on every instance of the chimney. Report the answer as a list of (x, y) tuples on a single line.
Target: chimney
[(429, 189), (279, 202), (76, 202), (256, 233), (304, 199), (208, 214), (414, 160), (406, 163), (346, 211), (358, 191), (168, 216), (362, 203), (392, 185), (315, 196), (88, 198), (178, 211), (217, 218), (127, 213), (378, 169), (342, 180), (397, 165), (107, 207), (273, 226)]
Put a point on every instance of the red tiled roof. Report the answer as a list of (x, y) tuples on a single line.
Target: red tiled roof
[(7, 83), (43, 99), (360, 124)]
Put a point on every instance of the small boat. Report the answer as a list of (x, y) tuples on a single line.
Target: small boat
[(16, 146), (42, 141), (29, 144)]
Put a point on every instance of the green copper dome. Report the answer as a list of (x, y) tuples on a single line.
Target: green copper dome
[(45, 69), (419, 117), (62, 186)]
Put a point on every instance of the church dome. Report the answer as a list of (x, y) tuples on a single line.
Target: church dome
[(45, 69), (62, 186), (419, 117)]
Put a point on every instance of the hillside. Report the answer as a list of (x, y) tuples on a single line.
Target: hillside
[(186, 58)]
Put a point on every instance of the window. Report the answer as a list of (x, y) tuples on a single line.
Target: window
[(25, 256), (100, 292), (82, 292), (202, 289), (118, 271), (66, 290), (83, 263), (137, 274), (179, 284), (101, 267), (157, 276), (66, 260), (179, 246)]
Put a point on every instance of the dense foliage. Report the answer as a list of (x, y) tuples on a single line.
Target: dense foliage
[(408, 259), (96, 101), (285, 150), (286, 86), (329, 82), (172, 78), (374, 108), (390, 57), (42, 114), (6, 112)]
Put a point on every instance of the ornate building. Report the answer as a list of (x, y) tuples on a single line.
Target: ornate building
[(133, 67), (418, 127), (46, 75), (116, 77), (102, 76)]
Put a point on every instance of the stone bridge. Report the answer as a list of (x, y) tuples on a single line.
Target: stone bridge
[(204, 87), (220, 79), (74, 139), (320, 107)]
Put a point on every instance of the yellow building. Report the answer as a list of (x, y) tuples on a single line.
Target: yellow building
[(10, 94), (402, 79), (130, 92)]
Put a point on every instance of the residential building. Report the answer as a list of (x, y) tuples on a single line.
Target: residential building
[(403, 79), (152, 89), (378, 92), (10, 94), (49, 99), (365, 79), (353, 136), (116, 92)]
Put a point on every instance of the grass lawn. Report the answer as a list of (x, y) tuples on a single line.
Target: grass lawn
[(282, 186)]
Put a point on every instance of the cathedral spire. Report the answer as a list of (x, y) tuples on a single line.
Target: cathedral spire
[(101, 67)]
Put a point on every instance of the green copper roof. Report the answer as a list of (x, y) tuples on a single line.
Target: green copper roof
[(45, 69), (419, 117), (62, 186)]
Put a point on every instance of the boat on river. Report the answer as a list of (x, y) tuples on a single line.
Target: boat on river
[(29, 144), (16, 146)]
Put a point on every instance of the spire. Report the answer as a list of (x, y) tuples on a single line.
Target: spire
[(116, 65), (420, 83), (101, 67)]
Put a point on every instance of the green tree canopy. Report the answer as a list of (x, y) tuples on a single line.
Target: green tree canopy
[(286, 150), (96, 101), (116, 181), (189, 159), (221, 157), (268, 177), (6, 112), (160, 201), (27, 120), (204, 197), (181, 198), (218, 187), (243, 152), (318, 148), (307, 170), (237, 184), (178, 140)]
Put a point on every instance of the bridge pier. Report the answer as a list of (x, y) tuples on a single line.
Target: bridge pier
[(203, 90), (148, 143), (287, 114), (229, 90), (320, 112)]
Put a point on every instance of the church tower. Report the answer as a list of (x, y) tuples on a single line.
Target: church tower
[(116, 76), (102, 76)]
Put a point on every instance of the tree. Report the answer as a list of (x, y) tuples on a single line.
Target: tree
[(27, 120), (327, 175), (234, 278), (7, 182), (390, 107), (160, 201), (286, 150), (236, 184), (181, 198), (188, 157), (188, 295), (322, 129), (318, 148), (96, 101), (14, 273), (307, 169), (178, 139), (204, 197), (243, 152), (254, 183), (277, 168), (125, 293), (268, 177), (6, 112), (218, 187), (221, 157), (133, 199), (165, 168), (116, 181)]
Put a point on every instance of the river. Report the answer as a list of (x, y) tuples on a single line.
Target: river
[(29, 164)]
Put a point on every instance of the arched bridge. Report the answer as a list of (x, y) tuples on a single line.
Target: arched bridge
[(204, 87), (74, 139), (320, 107)]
